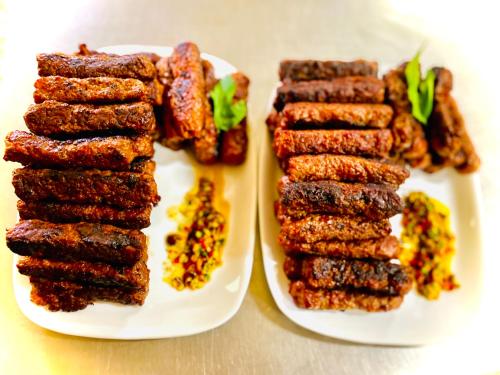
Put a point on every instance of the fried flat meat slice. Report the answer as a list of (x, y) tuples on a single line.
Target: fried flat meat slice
[(52, 118), (234, 143), (314, 228), (323, 299), (120, 189), (98, 274), (371, 201), (380, 248), (78, 241), (307, 70), (338, 90), (124, 66), (89, 90), (113, 153), (344, 168), (368, 143), (187, 93), (130, 218), (339, 273), (317, 115), (70, 296)]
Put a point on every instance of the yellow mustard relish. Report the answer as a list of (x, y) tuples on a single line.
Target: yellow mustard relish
[(195, 249), (428, 244)]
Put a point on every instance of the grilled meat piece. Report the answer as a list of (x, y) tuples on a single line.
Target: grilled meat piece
[(79, 241), (344, 168), (114, 153), (52, 118), (131, 218), (318, 115), (206, 147), (317, 299), (314, 228), (409, 137), (234, 143), (93, 90), (443, 84), (124, 66), (371, 201), (155, 92), (397, 90), (98, 274), (337, 273), (380, 248), (307, 70), (143, 166), (187, 92), (70, 296), (338, 90), (449, 138), (273, 120), (368, 143), (120, 189)]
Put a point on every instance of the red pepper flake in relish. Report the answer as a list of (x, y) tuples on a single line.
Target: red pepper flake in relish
[(428, 245), (195, 249)]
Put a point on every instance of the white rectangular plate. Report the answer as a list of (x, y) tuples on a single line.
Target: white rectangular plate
[(417, 321), (167, 312)]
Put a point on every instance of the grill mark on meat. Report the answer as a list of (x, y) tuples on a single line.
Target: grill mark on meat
[(113, 153), (120, 189), (371, 201), (369, 143), (123, 66), (338, 90), (79, 241), (313, 115), (305, 70), (317, 299), (93, 90)]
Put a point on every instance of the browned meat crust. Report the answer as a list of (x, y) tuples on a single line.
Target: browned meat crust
[(337, 273), (79, 241), (206, 147), (70, 296), (131, 218), (314, 115), (54, 118), (143, 166), (99, 274), (369, 143), (344, 168), (124, 66), (314, 228), (113, 153), (155, 92), (234, 143), (120, 189), (449, 138), (187, 93), (338, 90), (370, 201), (317, 299), (93, 90), (410, 143), (306, 70), (273, 120), (381, 248)]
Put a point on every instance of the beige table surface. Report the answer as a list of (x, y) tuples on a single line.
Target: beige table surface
[(254, 36)]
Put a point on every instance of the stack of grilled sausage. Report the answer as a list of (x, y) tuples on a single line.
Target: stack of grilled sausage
[(339, 190), (186, 117), (87, 185)]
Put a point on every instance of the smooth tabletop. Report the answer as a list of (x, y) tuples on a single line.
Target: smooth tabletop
[(254, 36)]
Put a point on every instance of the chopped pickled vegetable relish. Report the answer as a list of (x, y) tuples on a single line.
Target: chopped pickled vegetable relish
[(428, 245), (195, 249)]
